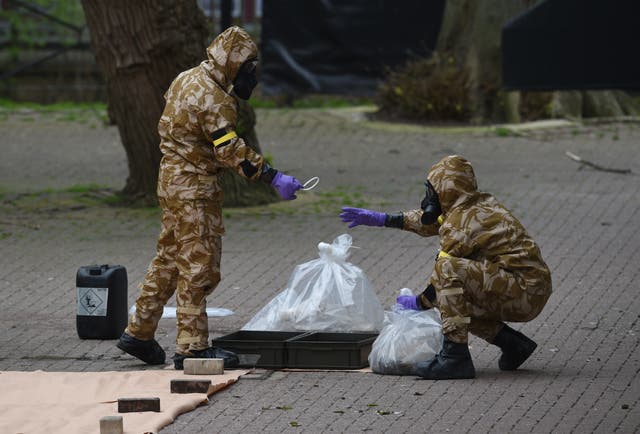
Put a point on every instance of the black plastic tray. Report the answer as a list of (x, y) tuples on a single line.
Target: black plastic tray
[(330, 350), (268, 344)]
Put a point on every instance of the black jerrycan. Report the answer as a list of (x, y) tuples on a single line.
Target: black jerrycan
[(101, 301)]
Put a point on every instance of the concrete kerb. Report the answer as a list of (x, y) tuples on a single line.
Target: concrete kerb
[(361, 115)]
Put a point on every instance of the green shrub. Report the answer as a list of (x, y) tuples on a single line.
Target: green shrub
[(428, 89)]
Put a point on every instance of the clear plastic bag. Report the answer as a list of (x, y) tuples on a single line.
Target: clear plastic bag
[(325, 294), (408, 337)]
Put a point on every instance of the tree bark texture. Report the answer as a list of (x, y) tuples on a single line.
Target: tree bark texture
[(141, 46), (471, 33)]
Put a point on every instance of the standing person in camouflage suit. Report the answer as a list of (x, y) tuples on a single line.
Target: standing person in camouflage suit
[(198, 141), (488, 269)]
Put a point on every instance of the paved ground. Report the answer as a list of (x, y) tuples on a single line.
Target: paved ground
[(582, 378)]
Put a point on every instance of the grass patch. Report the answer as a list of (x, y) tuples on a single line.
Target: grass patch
[(84, 188), (60, 111), (70, 198), (503, 132), (11, 105), (307, 203)]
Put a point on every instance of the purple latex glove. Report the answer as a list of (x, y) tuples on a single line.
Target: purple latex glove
[(408, 302), (286, 185), (359, 216)]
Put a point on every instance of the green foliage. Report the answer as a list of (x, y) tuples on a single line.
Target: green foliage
[(428, 89), (260, 102), (30, 29), (268, 157)]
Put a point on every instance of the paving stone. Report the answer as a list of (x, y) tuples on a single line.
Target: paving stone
[(111, 425), (132, 405), (190, 386), (194, 366)]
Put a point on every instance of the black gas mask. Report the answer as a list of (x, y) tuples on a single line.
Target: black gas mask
[(246, 79), (430, 205)]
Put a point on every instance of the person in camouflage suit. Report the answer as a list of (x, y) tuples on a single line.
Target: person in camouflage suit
[(198, 141), (488, 270)]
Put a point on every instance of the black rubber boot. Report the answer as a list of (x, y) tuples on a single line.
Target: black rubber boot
[(148, 351), (516, 348), (230, 359), (452, 363)]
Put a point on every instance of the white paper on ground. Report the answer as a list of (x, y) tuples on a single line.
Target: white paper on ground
[(170, 311)]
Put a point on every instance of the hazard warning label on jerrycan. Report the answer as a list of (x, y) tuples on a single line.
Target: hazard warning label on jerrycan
[(93, 301), (101, 304)]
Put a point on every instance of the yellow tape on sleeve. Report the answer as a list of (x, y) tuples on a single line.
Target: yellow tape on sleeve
[(443, 254), (225, 138)]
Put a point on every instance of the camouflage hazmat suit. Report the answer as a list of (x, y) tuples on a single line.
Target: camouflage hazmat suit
[(198, 140), (489, 269)]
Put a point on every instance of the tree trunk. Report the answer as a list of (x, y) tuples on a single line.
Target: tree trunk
[(592, 103), (471, 33), (141, 46)]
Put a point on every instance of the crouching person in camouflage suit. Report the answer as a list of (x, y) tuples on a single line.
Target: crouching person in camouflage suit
[(198, 141), (488, 269)]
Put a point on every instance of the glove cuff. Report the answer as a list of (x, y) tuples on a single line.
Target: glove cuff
[(427, 299), (394, 220), (267, 174)]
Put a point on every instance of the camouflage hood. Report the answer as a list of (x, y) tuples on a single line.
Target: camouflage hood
[(228, 51), (454, 181)]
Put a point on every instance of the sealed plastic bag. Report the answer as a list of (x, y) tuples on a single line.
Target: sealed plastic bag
[(325, 294), (408, 337)]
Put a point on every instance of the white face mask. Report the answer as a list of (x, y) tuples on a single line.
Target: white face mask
[(310, 184)]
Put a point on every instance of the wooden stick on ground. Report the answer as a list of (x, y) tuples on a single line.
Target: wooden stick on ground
[(574, 157)]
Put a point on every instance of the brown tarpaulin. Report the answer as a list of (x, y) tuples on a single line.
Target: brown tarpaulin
[(74, 402)]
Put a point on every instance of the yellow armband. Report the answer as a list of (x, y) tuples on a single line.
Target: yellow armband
[(221, 137)]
